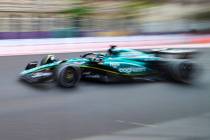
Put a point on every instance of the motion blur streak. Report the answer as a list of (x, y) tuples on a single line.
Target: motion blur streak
[(97, 111), (81, 18), (46, 112), (34, 46)]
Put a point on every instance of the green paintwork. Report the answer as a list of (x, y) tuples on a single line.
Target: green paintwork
[(123, 62)]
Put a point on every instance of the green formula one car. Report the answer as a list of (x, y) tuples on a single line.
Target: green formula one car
[(114, 65)]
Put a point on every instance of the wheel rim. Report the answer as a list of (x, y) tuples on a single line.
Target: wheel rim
[(68, 75), (186, 71)]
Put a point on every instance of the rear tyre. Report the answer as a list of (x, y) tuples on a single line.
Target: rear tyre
[(181, 70), (68, 75)]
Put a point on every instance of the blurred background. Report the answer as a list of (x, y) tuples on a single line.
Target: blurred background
[(81, 18)]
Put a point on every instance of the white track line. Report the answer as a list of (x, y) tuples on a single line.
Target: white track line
[(135, 123)]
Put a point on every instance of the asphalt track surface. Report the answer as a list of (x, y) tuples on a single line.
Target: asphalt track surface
[(47, 112)]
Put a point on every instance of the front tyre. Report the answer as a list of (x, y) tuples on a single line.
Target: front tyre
[(68, 75)]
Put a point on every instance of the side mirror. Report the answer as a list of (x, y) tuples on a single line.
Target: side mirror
[(31, 65)]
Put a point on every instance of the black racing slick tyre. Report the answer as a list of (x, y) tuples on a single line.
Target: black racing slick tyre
[(181, 70), (67, 75)]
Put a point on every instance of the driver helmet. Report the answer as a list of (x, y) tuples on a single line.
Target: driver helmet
[(51, 59), (110, 50)]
